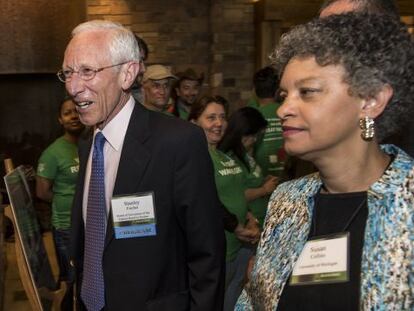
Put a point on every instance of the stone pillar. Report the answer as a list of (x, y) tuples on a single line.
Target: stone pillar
[(232, 50), (215, 37)]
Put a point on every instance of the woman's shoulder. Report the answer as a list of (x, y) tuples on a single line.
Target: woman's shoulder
[(291, 196), (300, 185), (54, 146), (401, 159), (399, 173)]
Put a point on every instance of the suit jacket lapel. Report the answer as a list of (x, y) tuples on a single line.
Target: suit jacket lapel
[(134, 159)]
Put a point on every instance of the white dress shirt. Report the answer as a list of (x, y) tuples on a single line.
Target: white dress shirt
[(114, 133)]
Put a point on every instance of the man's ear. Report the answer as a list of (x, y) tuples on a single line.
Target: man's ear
[(373, 107), (128, 75)]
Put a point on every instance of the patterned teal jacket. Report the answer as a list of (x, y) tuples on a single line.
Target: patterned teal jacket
[(387, 267)]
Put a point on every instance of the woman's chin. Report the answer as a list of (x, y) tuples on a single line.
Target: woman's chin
[(299, 153), (293, 152)]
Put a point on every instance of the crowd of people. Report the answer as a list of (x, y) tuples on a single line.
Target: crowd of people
[(163, 200)]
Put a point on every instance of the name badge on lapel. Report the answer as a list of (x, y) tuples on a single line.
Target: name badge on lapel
[(134, 215), (324, 259)]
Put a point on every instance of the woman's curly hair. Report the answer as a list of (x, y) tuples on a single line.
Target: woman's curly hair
[(374, 50)]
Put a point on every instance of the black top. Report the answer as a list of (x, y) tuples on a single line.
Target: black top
[(332, 213)]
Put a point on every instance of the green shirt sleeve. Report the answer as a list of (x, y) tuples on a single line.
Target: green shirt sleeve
[(47, 166)]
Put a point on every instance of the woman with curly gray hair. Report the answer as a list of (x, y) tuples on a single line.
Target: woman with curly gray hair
[(342, 238)]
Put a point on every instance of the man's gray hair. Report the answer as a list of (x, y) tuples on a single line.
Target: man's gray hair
[(123, 45)]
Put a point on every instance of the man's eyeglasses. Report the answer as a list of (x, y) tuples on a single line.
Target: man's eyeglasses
[(84, 72)]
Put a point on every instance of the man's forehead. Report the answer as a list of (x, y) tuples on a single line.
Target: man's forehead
[(160, 81), (86, 47), (91, 37), (189, 82), (339, 7)]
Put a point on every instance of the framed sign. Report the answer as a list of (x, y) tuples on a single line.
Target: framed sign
[(28, 237)]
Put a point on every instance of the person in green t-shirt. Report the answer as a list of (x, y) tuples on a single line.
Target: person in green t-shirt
[(269, 152), (253, 102), (244, 127), (187, 91), (210, 114), (57, 172)]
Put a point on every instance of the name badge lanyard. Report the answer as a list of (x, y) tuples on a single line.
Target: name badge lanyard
[(349, 222)]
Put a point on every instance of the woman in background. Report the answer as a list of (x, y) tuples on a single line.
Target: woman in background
[(210, 114), (343, 238), (57, 172), (245, 127)]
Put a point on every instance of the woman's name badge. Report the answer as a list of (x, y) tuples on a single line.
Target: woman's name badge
[(134, 216), (324, 259)]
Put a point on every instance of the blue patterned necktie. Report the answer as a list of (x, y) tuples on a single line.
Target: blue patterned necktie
[(93, 290)]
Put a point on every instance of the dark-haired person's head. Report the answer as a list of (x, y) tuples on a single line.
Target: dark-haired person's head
[(188, 86), (69, 117), (245, 126), (266, 83), (339, 70), (198, 108), (143, 52), (210, 113), (143, 47), (388, 7)]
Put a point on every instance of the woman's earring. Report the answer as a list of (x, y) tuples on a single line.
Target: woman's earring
[(367, 126)]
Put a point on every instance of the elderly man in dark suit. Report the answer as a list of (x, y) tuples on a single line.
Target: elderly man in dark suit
[(147, 229)]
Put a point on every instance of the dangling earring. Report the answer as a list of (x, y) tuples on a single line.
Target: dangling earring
[(367, 126)]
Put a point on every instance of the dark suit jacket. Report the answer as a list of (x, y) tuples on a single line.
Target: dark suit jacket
[(182, 267)]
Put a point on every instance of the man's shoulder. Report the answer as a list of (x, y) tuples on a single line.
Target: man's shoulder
[(156, 128), (170, 125)]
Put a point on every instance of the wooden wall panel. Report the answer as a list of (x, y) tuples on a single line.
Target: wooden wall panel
[(34, 33)]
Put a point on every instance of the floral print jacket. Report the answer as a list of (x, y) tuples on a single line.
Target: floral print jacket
[(387, 267)]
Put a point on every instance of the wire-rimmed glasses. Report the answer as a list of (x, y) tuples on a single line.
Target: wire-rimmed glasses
[(85, 73)]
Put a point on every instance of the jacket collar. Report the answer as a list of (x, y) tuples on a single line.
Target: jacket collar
[(135, 158), (395, 174)]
